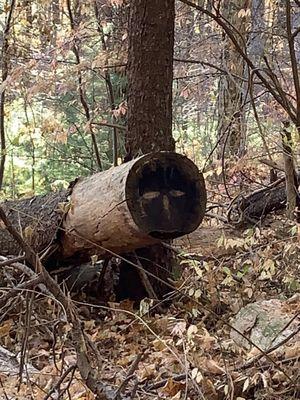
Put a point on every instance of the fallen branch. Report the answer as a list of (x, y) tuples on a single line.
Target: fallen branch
[(255, 359), (55, 388), (129, 376), (252, 208), (163, 382), (10, 261)]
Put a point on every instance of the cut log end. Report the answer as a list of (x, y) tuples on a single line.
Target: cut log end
[(166, 195)]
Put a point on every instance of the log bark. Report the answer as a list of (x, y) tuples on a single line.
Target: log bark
[(157, 196), (37, 219)]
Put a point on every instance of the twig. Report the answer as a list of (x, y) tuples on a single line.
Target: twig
[(272, 164), (28, 272), (200, 304), (10, 261), (26, 332), (293, 57), (276, 91), (159, 384), (219, 217), (23, 286), (134, 390), (128, 377), (60, 381), (81, 91), (4, 391), (146, 282), (4, 75), (109, 86), (260, 130), (253, 360), (207, 64), (109, 125)]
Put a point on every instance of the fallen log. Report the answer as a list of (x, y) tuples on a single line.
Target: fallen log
[(157, 196), (254, 207), (37, 219)]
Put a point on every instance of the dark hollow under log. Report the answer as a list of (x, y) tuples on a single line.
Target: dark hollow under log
[(157, 196)]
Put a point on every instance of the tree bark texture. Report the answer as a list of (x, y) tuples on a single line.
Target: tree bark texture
[(157, 196), (150, 77), (37, 219), (257, 39), (4, 75), (290, 172), (231, 125)]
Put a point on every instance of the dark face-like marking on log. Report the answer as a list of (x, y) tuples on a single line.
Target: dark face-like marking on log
[(167, 196), (164, 199)]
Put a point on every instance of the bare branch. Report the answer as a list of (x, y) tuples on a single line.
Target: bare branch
[(284, 102), (82, 94)]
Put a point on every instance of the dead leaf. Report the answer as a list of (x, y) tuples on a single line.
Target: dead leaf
[(179, 329), (293, 351), (214, 368), (172, 387), (28, 233), (148, 371), (5, 328)]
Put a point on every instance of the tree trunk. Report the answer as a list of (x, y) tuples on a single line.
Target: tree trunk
[(290, 172), (157, 196), (257, 39), (4, 75), (231, 125), (150, 79)]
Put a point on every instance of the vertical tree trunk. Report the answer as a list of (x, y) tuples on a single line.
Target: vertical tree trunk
[(231, 126), (74, 22), (150, 78), (109, 87), (4, 75), (291, 178), (257, 39)]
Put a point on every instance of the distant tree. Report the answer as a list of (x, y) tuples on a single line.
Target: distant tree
[(4, 76), (231, 121)]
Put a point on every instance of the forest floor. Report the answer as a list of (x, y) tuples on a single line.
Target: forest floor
[(186, 351)]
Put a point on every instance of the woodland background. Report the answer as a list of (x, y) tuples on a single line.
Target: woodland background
[(236, 114), (51, 120)]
